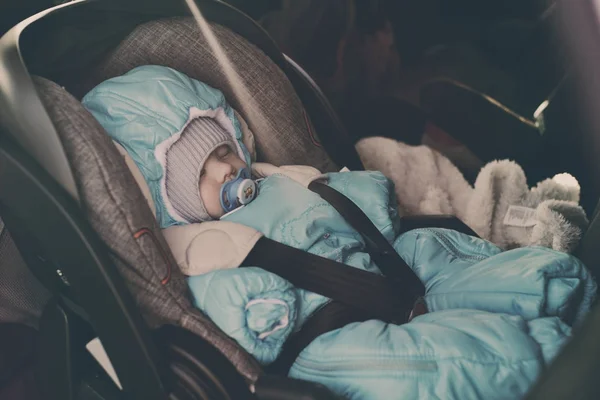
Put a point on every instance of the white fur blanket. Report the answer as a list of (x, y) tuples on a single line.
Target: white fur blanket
[(500, 207)]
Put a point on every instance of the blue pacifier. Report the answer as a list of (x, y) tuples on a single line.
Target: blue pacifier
[(238, 192)]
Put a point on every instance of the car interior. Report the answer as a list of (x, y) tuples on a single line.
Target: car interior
[(92, 302)]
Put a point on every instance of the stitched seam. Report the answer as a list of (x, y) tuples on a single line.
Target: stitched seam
[(285, 225), (473, 256), (310, 131), (146, 231)]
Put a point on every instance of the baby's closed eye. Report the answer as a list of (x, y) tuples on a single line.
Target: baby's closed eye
[(223, 151)]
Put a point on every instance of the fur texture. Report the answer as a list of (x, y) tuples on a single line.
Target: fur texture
[(428, 183)]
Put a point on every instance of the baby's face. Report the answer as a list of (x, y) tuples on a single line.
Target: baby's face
[(221, 166)]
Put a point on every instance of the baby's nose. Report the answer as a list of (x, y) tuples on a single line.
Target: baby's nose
[(227, 172)]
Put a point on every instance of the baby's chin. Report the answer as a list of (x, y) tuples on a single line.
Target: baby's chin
[(215, 215), (213, 208)]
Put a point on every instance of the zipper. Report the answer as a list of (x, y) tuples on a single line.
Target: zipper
[(452, 247), (363, 365)]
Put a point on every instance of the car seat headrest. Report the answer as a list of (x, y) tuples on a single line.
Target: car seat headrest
[(285, 135)]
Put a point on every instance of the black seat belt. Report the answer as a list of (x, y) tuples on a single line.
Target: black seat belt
[(384, 255), (387, 296), (362, 290), (356, 295)]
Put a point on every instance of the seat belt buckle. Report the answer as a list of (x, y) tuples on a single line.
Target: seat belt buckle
[(419, 308)]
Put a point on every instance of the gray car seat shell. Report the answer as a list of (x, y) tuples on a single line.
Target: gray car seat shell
[(87, 204)]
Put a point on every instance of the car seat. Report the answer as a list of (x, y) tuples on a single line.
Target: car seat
[(121, 239), (81, 173), (81, 223)]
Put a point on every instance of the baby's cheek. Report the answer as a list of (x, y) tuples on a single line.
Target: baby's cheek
[(210, 197)]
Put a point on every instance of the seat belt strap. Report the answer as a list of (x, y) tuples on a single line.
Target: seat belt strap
[(381, 251), (372, 293)]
